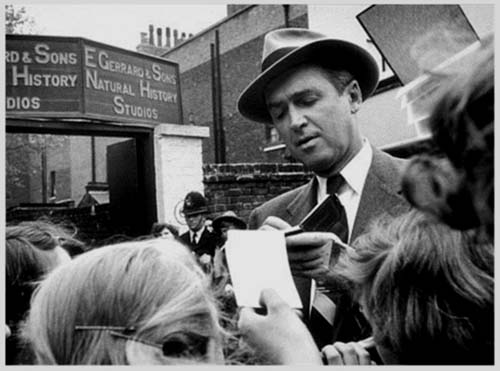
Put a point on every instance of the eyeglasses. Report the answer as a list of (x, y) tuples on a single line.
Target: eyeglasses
[(178, 343)]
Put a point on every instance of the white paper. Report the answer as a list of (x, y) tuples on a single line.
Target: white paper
[(258, 260)]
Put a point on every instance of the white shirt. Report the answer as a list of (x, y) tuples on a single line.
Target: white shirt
[(198, 234), (349, 193)]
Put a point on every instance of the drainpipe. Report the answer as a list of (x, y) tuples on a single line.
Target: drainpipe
[(222, 141), (286, 9)]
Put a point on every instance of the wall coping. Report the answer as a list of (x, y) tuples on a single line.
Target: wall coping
[(183, 130)]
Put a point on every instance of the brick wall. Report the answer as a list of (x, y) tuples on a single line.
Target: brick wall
[(242, 187), (241, 39), (236, 187)]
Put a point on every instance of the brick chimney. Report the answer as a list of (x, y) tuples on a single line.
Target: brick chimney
[(151, 35), (176, 40), (158, 34), (148, 45), (167, 38)]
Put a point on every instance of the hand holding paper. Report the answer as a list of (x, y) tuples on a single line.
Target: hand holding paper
[(279, 335), (258, 260), (310, 253)]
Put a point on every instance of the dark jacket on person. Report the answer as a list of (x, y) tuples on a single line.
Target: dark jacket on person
[(206, 243), (381, 194)]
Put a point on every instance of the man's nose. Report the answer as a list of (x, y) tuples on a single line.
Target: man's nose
[(297, 119)]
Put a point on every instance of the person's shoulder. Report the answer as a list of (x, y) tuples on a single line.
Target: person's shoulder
[(276, 206), (282, 199), (388, 170), (383, 162)]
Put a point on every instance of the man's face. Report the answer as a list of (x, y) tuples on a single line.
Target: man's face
[(315, 121), (195, 222), (224, 228)]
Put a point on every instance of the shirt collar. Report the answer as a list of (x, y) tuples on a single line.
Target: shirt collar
[(355, 172), (198, 232)]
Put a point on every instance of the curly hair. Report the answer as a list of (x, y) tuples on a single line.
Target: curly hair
[(459, 186), (427, 290)]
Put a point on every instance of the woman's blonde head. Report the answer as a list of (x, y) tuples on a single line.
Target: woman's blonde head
[(154, 289)]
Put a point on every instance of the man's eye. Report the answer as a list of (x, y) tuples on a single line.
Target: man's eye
[(307, 101)]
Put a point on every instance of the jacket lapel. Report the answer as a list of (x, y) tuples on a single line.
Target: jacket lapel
[(303, 202), (369, 204), (381, 192)]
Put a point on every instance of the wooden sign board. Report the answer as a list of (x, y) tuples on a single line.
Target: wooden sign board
[(50, 76), (416, 38)]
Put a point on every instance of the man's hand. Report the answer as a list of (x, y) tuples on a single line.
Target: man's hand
[(346, 354), (310, 254), (279, 335)]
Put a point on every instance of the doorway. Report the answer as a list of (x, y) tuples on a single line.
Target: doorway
[(97, 177)]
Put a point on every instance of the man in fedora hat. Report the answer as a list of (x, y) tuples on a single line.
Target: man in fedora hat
[(201, 241), (310, 89)]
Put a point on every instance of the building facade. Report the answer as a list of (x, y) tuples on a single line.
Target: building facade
[(240, 35)]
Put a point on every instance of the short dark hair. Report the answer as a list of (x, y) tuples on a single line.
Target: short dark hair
[(158, 227)]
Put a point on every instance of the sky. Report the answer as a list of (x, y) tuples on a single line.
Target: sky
[(120, 24)]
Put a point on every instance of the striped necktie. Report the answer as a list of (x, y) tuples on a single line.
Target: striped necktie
[(324, 305), (341, 228)]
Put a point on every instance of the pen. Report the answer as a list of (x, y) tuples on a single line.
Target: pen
[(297, 229), (292, 231)]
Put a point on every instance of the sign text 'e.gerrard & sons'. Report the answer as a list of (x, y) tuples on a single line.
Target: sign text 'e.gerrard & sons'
[(75, 77)]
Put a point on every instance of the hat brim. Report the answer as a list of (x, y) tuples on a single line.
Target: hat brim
[(195, 211), (216, 224), (337, 54)]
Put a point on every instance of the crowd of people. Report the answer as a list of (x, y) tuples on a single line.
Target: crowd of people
[(404, 273)]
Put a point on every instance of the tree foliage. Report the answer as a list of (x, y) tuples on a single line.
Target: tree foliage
[(23, 159), (18, 21)]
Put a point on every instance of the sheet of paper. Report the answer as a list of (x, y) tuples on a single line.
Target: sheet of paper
[(258, 260)]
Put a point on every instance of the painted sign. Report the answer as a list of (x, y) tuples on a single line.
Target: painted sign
[(416, 38), (79, 78)]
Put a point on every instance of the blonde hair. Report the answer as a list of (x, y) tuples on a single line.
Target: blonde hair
[(154, 287)]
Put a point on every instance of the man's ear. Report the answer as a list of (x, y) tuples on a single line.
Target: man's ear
[(355, 97)]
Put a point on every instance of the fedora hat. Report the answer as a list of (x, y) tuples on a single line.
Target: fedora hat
[(288, 47), (231, 217)]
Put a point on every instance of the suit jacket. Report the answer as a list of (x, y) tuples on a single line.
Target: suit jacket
[(206, 244), (381, 194)]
